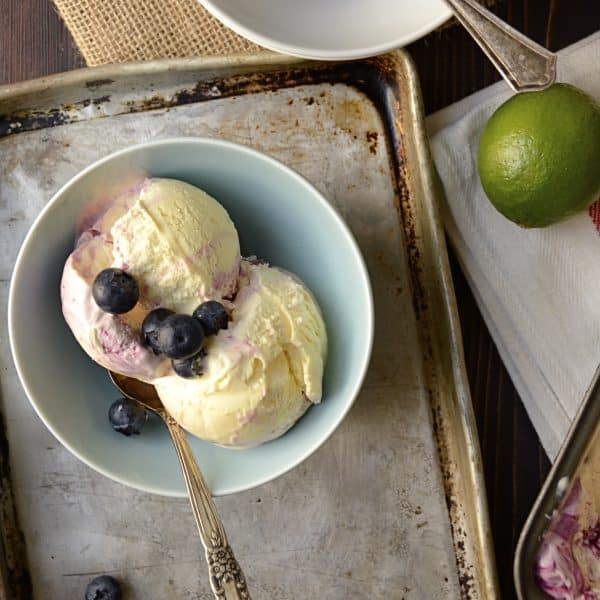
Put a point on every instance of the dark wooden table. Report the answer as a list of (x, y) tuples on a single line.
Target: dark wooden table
[(34, 42)]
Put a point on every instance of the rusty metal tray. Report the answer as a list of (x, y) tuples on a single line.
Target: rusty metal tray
[(393, 506), (581, 441)]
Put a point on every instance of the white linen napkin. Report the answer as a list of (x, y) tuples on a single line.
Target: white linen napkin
[(538, 289)]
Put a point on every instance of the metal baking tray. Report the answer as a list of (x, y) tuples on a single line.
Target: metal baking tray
[(393, 505), (584, 431)]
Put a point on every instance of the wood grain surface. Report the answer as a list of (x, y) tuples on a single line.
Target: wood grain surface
[(34, 42)]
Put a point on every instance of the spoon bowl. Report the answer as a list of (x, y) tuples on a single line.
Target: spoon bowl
[(137, 390)]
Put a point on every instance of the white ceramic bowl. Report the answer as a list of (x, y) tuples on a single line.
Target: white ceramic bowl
[(330, 29), (280, 217)]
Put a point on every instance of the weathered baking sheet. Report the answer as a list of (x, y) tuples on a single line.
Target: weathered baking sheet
[(584, 432), (393, 505)]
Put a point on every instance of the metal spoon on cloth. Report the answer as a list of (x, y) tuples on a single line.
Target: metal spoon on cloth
[(524, 64), (226, 577)]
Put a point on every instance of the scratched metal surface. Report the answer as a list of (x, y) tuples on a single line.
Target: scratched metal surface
[(375, 513)]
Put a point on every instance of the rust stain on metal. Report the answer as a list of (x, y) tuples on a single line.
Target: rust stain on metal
[(89, 101), (18, 122), (151, 103), (412, 246), (369, 76), (372, 141), (15, 582), (449, 470), (94, 84), (391, 112)]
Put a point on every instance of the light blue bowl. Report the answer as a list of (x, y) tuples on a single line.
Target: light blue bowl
[(280, 217)]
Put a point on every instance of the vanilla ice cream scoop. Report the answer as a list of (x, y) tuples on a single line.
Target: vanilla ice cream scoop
[(262, 372), (178, 243)]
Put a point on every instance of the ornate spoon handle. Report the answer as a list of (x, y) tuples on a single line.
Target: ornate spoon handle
[(226, 577), (524, 64)]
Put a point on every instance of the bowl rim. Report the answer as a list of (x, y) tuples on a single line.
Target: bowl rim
[(18, 273), (283, 47)]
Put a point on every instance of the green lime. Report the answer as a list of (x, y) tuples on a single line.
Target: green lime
[(539, 155)]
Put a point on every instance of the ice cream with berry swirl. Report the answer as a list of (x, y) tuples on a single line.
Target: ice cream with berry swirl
[(156, 289)]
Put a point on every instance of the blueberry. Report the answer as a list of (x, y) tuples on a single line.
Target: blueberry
[(190, 367), (150, 327), (180, 336), (127, 416), (104, 587), (212, 316), (115, 291)]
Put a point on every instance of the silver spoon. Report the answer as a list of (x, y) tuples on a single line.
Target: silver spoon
[(226, 577), (524, 64)]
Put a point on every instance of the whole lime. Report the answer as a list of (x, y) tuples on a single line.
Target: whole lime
[(539, 155)]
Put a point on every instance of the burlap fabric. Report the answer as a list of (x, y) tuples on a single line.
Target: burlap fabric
[(112, 31)]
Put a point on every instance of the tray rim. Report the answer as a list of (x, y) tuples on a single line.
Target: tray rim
[(427, 185), (105, 72), (433, 190)]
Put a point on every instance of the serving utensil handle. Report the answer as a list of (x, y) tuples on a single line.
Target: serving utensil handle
[(226, 577), (524, 64)]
